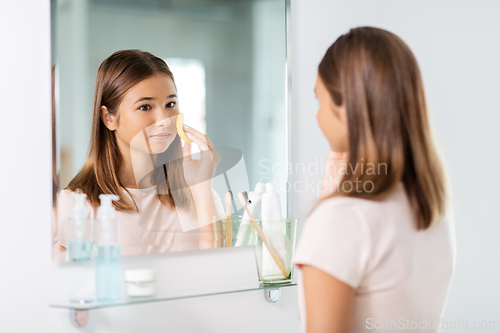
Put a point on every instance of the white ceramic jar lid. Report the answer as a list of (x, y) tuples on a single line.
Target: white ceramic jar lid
[(140, 275)]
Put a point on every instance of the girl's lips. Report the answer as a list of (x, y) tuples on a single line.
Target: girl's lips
[(160, 136)]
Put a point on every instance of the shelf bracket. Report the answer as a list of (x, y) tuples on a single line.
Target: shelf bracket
[(79, 318), (272, 295)]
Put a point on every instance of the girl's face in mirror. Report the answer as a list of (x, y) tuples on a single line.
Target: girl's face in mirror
[(331, 119), (146, 118)]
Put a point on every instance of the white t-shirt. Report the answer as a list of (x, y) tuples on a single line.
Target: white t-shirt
[(154, 229), (397, 272)]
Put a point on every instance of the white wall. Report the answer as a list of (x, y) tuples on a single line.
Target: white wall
[(454, 44)]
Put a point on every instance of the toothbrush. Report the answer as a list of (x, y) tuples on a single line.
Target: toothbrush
[(273, 253)]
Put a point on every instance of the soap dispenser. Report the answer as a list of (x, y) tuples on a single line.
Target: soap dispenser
[(79, 231), (107, 252)]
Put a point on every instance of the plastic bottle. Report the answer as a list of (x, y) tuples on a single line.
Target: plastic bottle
[(79, 231), (272, 226), (107, 252), (244, 236)]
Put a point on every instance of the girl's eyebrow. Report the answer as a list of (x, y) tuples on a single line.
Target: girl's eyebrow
[(152, 98), (144, 99)]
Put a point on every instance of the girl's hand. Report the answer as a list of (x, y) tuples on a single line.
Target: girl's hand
[(199, 171), (336, 167)]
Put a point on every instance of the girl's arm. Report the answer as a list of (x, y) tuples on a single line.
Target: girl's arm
[(329, 302), (205, 210), (198, 174)]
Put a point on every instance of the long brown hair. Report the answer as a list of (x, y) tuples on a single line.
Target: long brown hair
[(115, 77), (377, 76)]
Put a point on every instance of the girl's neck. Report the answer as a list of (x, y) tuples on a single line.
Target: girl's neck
[(135, 165)]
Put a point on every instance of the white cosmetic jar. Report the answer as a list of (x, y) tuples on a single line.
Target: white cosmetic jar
[(140, 282)]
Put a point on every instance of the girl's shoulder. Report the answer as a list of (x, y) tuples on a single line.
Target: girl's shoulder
[(372, 210), (338, 214), (344, 208), (66, 201), (67, 192), (67, 196), (336, 239)]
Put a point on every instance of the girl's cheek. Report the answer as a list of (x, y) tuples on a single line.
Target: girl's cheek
[(322, 118), (142, 122)]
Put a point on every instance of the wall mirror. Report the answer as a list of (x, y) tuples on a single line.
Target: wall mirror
[(229, 63)]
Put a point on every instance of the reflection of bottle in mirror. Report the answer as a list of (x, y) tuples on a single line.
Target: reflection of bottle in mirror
[(107, 252), (244, 236), (272, 226), (79, 231)]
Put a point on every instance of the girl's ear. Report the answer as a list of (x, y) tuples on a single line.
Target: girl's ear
[(108, 119), (342, 112)]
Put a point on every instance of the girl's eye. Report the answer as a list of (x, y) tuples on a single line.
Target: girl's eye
[(145, 107), (170, 105)]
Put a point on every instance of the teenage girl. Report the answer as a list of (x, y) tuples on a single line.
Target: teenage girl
[(377, 253)]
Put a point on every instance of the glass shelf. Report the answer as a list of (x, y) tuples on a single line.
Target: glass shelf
[(89, 304)]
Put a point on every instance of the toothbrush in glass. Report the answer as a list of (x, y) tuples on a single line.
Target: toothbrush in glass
[(262, 236)]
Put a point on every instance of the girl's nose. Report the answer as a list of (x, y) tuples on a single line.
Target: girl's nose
[(163, 120)]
